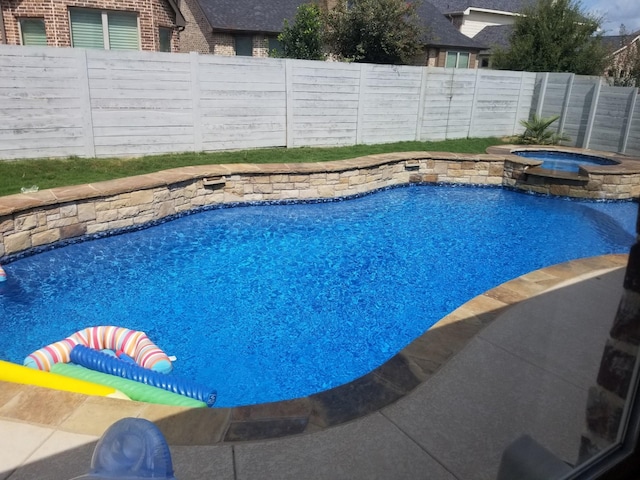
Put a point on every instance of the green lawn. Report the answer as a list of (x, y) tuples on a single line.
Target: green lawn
[(49, 173)]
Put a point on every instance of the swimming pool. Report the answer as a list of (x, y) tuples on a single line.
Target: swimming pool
[(265, 303), (564, 161)]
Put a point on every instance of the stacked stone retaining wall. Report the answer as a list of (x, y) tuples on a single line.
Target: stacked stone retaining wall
[(32, 220)]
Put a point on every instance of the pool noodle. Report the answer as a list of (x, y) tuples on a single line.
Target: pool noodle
[(135, 390), (11, 372), (104, 363)]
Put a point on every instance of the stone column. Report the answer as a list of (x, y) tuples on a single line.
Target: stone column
[(606, 400)]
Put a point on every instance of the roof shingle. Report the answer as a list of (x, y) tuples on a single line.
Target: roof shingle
[(249, 15), (451, 6)]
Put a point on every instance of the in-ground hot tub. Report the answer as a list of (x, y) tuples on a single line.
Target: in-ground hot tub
[(565, 161), (570, 171)]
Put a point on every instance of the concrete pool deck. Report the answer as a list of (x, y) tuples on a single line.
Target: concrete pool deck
[(517, 359)]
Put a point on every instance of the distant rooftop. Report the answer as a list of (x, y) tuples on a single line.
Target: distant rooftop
[(616, 42), (268, 17), (495, 36), (249, 15), (451, 6), (441, 32)]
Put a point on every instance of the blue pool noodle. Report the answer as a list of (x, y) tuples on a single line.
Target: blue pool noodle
[(101, 362)]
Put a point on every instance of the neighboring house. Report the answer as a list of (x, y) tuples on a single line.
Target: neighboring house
[(472, 16), (624, 57), (445, 46), (108, 24), (494, 36), (251, 28), (235, 27)]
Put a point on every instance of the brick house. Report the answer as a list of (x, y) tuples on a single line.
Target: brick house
[(624, 58), (470, 17), (251, 28), (235, 27), (445, 46), (110, 24)]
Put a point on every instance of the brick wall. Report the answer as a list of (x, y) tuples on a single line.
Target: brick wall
[(152, 14), (196, 36)]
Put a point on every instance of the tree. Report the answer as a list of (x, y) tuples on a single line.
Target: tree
[(554, 36), (624, 67), (303, 39), (374, 31)]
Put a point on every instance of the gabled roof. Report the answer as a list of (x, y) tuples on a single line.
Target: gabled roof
[(441, 32), (249, 15), (495, 36), (457, 6), (613, 43), (268, 16)]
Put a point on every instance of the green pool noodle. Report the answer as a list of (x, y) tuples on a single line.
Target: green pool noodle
[(134, 390)]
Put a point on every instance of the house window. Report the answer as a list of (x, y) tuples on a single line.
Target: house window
[(275, 44), (32, 31), (102, 29), (244, 45), (457, 60), (164, 37)]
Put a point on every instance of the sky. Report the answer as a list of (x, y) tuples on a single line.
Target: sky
[(615, 12)]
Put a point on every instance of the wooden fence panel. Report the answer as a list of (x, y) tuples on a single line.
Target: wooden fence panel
[(389, 105), (62, 102), (611, 118), (448, 103), (578, 108), (242, 102), (555, 93), (633, 142), (41, 100), (499, 102), (324, 103), (140, 103)]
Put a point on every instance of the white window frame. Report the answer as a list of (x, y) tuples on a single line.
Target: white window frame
[(104, 15)]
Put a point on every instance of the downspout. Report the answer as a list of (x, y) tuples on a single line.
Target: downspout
[(3, 32)]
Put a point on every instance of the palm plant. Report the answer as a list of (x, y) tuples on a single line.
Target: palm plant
[(537, 131)]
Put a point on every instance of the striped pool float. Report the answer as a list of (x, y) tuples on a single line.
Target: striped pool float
[(132, 343)]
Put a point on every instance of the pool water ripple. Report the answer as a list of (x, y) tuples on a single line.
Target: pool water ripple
[(265, 303)]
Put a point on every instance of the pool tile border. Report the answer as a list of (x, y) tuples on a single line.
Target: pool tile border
[(411, 367)]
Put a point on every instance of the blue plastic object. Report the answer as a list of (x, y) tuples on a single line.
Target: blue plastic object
[(131, 449), (101, 362)]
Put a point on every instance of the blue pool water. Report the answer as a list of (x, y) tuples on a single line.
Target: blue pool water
[(265, 303), (566, 162)]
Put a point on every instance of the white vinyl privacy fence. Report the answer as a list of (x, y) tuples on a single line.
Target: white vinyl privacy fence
[(592, 114), (57, 102)]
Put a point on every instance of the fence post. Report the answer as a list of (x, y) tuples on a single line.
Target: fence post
[(474, 101), (361, 95), (423, 91), (542, 94), (592, 114), (517, 119), (85, 101), (288, 75), (627, 128), (565, 104), (195, 101)]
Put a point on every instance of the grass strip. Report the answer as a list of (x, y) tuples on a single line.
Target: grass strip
[(50, 173)]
